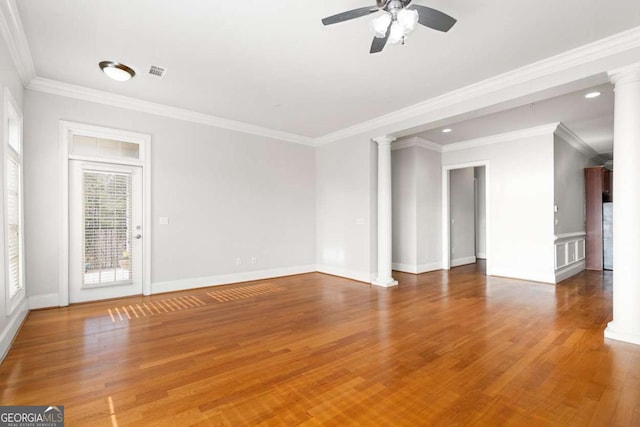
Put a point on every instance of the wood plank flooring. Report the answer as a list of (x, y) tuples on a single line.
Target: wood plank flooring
[(442, 348)]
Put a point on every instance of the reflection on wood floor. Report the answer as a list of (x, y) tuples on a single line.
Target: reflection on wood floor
[(442, 348)]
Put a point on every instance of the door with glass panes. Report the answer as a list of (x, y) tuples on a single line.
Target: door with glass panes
[(105, 231)]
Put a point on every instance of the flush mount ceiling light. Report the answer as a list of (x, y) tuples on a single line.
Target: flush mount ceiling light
[(447, 130), (397, 19), (594, 94), (116, 71)]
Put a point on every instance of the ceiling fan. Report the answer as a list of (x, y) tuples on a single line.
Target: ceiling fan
[(398, 18)]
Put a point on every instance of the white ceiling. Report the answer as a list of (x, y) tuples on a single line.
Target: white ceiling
[(273, 64), (590, 119)]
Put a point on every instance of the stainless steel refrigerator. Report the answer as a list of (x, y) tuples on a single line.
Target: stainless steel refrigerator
[(607, 235)]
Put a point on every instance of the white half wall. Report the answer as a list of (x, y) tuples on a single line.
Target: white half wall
[(227, 195), (344, 206), (520, 195)]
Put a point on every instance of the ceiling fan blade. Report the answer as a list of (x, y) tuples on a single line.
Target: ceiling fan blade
[(379, 43), (433, 18), (351, 14)]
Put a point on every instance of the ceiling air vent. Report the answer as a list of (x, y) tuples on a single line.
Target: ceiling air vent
[(156, 71)]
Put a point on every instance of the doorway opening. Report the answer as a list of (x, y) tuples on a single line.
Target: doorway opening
[(105, 245), (466, 215)]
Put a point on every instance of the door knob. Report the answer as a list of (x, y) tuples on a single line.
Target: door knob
[(138, 236)]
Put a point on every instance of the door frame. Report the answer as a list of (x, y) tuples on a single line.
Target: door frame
[(67, 130), (446, 214)]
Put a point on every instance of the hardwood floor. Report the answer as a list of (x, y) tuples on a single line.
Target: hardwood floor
[(442, 348)]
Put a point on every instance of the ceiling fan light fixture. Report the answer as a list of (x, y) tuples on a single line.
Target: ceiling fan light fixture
[(116, 71), (380, 25), (396, 33), (408, 18)]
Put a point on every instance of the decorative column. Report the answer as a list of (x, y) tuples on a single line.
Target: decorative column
[(625, 325), (384, 212)]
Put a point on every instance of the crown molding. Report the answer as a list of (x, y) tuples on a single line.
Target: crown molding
[(13, 33), (562, 62), (503, 137), (416, 141), (575, 141), (92, 95)]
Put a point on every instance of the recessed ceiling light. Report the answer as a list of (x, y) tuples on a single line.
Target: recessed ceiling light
[(594, 94), (117, 71), (447, 130)]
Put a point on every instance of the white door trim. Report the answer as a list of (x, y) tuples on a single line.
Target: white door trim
[(67, 129), (446, 219)]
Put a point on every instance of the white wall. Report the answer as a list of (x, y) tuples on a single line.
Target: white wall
[(344, 206), (404, 197), (462, 216), (481, 206), (416, 181), (520, 194), (429, 211), (9, 323), (569, 164), (228, 195)]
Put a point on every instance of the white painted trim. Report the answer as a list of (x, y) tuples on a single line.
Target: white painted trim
[(346, 273), (226, 279), (416, 141), (446, 237), (570, 270), (470, 95), (67, 129), (565, 236), (13, 33), (568, 136), (11, 329), (564, 241), (503, 137), (417, 268), (457, 262), (100, 97), (481, 255), (613, 333), (525, 275), (43, 301)]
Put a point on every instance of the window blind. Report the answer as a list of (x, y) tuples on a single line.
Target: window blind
[(14, 240), (107, 202)]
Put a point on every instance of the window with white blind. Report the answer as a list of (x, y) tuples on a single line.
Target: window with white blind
[(14, 250)]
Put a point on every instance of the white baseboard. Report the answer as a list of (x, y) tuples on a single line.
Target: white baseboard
[(344, 272), (463, 261), (481, 255), (11, 329), (618, 334), (569, 270), (226, 279), (43, 301), (524, 275), (417, 269)]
